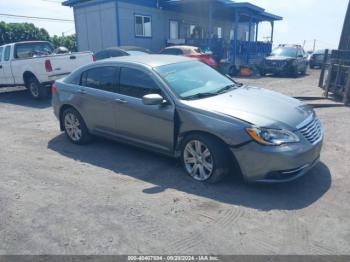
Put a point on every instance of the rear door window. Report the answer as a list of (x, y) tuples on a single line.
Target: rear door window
[(103, 78), (136, 83), (7, 53)]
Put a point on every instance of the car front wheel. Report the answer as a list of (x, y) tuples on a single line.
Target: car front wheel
[(205, 158), (74, 127)]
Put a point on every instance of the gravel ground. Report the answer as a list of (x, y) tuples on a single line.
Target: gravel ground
[(108, 198)]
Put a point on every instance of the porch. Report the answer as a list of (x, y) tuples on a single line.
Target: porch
[(238, 44)]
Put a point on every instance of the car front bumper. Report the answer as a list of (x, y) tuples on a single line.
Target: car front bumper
[(272, 164)]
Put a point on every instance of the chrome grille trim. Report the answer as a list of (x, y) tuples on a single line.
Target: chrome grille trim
[(311, 129)]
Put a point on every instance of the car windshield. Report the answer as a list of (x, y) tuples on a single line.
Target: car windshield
[(285, 51), (194, 80)]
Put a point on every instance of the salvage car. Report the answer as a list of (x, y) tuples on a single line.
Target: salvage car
[(183, 108), (120, 51), (35, 65), (290, 60), (192, 52), (316, 59)]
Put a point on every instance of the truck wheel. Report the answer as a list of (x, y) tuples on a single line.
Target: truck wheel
[(36, 90)]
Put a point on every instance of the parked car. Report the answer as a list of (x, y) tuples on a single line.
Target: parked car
[(285, 60), (121, 51), (136, 50), (110, 52), (35, 65), (184, 108), (191, 51), (316, 59)]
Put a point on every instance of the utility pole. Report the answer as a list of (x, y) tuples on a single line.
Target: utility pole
[(314, 45)]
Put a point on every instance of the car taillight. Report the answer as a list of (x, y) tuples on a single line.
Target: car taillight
[(53, 88), (93, 58), (48, 66)]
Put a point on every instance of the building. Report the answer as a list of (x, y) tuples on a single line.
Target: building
[(228, 28), (345, 36)]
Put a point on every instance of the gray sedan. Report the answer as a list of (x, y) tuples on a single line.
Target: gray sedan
[(185, 109)]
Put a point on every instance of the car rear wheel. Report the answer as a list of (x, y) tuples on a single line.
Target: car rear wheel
[(205, 158), (74, 127)]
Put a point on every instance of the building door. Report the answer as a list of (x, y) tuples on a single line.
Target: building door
[(174, 29)]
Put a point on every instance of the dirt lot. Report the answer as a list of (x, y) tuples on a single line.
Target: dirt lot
[(107, 198)]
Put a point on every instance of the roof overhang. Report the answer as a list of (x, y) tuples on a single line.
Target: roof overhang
[(251, 10)]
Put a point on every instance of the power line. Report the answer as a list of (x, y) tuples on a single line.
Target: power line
[(52, 1), (38, 18)]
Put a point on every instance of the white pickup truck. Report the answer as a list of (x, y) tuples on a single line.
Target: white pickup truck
[(35, 65)]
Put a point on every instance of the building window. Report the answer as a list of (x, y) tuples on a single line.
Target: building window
[(143, 26)]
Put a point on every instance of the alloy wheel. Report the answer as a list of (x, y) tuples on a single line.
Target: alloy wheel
[(34, 89), (198, 160), (72, 126)]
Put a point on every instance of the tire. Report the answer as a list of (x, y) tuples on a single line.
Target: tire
[(262, 73), (293, 72), (36, 90), (200, 152), (304, 71), (232, 71), (74, 127)]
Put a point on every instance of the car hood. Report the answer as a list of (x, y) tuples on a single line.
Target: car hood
[(258, 106), (278, 58)]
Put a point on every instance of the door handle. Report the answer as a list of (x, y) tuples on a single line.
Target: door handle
[(72, 57), (120, 101)]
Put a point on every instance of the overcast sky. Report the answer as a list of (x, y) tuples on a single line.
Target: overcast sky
[(303, 19)]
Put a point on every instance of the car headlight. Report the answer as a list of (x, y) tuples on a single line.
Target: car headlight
[(272, 137)]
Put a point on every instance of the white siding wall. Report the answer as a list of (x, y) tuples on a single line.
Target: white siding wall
[(96, 26)]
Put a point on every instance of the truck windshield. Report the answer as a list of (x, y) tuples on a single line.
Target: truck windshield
[(285, 51), (32, 49)]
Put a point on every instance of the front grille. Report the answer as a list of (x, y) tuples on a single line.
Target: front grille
[(312, 131), (276, 64)]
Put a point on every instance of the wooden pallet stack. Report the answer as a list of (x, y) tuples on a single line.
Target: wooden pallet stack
[(335, 74)]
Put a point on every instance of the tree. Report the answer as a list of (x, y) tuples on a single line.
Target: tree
[(66, 41), (16, 32)]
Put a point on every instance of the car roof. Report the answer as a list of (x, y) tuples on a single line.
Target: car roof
[(149, 60), (184, 47), (134, 48)]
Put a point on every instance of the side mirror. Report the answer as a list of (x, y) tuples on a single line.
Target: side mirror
[(152, 99)]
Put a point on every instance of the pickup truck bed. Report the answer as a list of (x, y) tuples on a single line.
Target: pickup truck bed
[(32, 64)]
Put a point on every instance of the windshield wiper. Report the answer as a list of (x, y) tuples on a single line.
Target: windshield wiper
[(200, 95), (226, 88)]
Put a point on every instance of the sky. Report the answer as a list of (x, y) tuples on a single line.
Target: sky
[(303, 20)]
